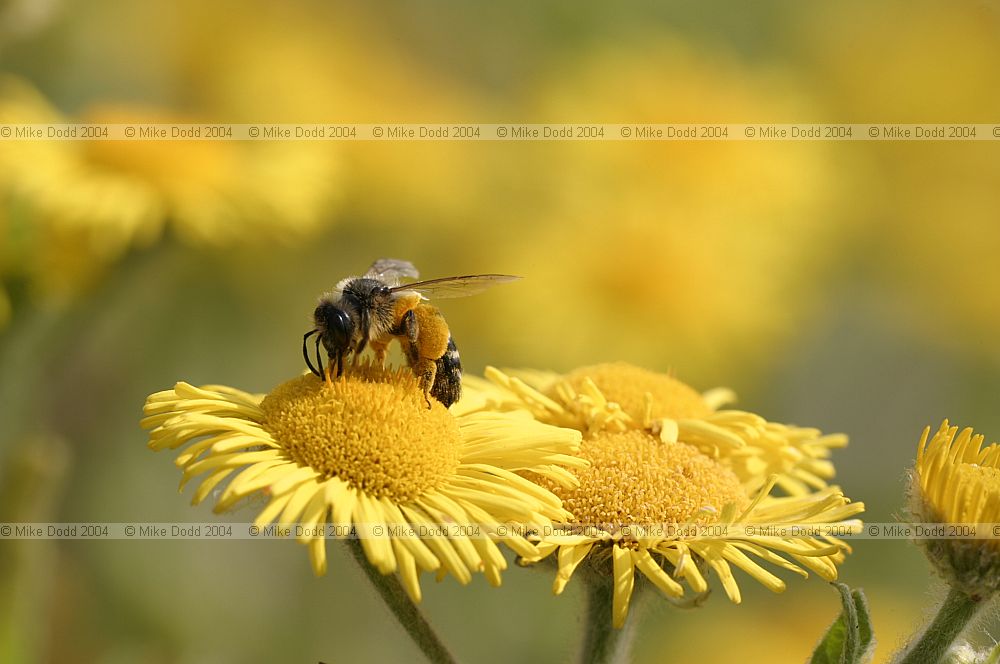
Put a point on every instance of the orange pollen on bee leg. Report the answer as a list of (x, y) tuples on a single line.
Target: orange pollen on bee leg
[(405, 303)]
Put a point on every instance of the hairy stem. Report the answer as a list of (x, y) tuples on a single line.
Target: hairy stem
[(951, 620), (602, 642), (409, 616)]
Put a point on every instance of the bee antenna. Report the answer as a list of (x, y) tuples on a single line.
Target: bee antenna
[(305, 352)]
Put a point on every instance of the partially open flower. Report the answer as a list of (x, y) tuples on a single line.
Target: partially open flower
[(368, 452), (661, 466), (957, 481)]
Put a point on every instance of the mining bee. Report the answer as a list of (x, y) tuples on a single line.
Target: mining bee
[(376, 308)]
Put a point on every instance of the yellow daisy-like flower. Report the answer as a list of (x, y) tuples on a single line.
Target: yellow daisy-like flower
[(620, 397), (650, 230), (116, 194), (957, 481), (659, 476), (368, 452)]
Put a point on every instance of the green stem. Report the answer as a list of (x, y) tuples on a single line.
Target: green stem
[(20, 354), (952, 618), (409, 616), (31, 481), (602, 643)]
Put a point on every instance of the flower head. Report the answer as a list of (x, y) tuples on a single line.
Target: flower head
[(653, 242), (957, 480), (664, 465), (110, 195), (619, 396), (367, 452)]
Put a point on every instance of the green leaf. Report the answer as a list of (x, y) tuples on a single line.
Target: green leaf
[(850, 639)]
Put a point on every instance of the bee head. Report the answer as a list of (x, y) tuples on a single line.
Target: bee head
[(336, 327)]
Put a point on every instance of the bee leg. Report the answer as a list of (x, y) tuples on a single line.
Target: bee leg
[(426, 370), (334, 367), (380, 349), (423, 368), (340, 366), (319, 360), (410, 327)]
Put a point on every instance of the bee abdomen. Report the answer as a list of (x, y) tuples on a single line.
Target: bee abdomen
[(447, 386)]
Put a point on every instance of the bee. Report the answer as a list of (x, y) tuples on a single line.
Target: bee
[(375, 308)]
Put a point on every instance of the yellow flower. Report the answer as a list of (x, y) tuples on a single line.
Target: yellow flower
[(116, 194), (368, 452), (345, 65), (957, 481), (664, 461), (641, 231), (82, 204), (936, 202), (619, 397)]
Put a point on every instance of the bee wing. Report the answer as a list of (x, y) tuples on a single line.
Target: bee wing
[(456, 286), (392, 270)]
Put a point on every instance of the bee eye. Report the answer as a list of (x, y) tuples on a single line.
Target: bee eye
[(340, 326), (383, 291), (337, 323)]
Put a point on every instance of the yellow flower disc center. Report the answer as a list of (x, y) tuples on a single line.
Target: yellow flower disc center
[(372, 429), (628, 385), (636, 479)]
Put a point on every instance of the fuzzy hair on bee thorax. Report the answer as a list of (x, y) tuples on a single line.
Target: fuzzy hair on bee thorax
[(369, 304)]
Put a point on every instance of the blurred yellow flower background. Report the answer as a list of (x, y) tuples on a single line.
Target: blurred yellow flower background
[(87, 202), (849, 285)]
